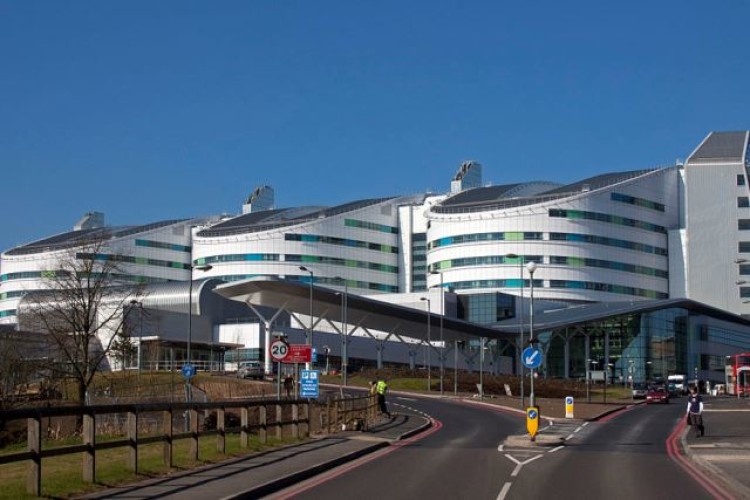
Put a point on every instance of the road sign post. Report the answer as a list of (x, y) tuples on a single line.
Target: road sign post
[(569, 407), (309, 384), (532, 421)]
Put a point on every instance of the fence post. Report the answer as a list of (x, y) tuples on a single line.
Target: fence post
[(244, 423), (295, 420), (133, 440), (221, 440), (306, 420), (89, 441), (167, 447), (279, 422), (263, 430), (193, 434), (328, 417), (34, 443)]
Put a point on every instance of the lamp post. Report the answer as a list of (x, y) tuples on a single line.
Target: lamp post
[(308, 366), (206, 267), (134, 303), (520, 324), (481, 367), (531, 267), (188, 386), (442, 313), (429, 366), (344, 333)]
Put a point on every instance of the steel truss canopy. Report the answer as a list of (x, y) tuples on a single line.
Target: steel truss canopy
[(368, 313)]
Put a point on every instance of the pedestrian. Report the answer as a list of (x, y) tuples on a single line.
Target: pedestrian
[(288, 385), (695, 412), (381, 388)]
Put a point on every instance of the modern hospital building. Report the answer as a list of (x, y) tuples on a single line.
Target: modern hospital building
[(643, 273)]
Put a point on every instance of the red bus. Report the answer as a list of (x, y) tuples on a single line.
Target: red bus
[(738, 374)]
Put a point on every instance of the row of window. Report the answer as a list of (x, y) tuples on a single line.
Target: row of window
[(163, 245), (129, 259), (13, 294), (489, 260), (7, 313), (477, 237), (330, 240), (351, 284), (238, 257), (574, 237), (638, 202), (569, 284), (609, 219), (363, 224), (335, 261)]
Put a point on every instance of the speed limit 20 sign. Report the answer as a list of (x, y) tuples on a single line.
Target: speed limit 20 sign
[(279, 350)]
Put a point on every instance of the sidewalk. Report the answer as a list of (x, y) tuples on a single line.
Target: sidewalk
[(724, 452), (263, 473)]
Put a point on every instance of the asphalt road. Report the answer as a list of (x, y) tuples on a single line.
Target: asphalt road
[(623, 458), (464, 457), (458, 458)]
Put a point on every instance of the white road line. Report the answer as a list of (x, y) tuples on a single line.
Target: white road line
[(578, 429), (570, 436), (500, 448), (556, 448), (516, 470), (510, 457), (585, 424), (504, 491)]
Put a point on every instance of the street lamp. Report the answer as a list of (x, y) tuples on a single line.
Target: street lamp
[(429, 366), (531, 267), (344, 327), (136, 303), (308, 366), (188, 386), (520, 324), (205, 267), (442, 313)]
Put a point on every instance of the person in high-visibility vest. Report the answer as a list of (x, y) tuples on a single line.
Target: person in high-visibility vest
[(381, 388)]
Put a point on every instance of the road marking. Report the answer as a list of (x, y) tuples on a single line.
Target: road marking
[(405, 399), (500, 448), (520, 464), (584, 424), (556, 449), (578, 429), (570, 436), (504, 491)]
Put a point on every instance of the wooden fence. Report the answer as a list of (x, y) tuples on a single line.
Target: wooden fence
[(270, 416)]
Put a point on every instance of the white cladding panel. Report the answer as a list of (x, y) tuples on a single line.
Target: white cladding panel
[(712, 215)]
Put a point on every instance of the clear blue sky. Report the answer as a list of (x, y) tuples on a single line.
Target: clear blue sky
[(150, 110)]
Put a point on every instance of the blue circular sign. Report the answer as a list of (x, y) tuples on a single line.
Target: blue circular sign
[(531, 357), (532, 414), (188, 371), (569, 400)]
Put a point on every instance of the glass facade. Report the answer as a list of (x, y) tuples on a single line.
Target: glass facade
[(646, 345)]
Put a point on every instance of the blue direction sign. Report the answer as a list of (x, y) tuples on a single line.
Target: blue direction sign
[(188, 371), (531, 357), (309, 384)]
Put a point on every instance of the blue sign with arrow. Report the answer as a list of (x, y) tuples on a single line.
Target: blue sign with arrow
[(531, 357), (188, 371)]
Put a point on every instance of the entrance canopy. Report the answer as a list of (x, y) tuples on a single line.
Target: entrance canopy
[(361, 311)]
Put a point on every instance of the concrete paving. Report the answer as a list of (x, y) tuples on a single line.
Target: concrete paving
[(723, 453)]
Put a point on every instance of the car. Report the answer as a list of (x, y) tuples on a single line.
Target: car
[(639, 391), (250, 369), (657, 395)]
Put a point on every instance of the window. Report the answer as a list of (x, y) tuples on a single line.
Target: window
[(743, 202), (743, 224), (740, 180)]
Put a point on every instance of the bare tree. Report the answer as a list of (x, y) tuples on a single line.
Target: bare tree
[(83, 309)]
